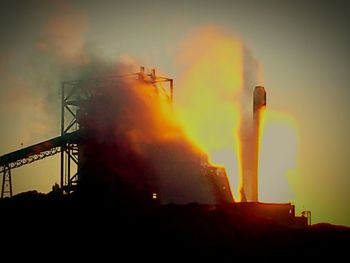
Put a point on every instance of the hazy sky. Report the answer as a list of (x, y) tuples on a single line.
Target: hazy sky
[(301, 45)]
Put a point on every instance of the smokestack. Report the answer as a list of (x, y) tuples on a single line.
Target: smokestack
[(259, 103), (259, 99), (250, 148)]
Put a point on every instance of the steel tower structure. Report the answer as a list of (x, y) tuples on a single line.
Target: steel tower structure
[(74, 96)]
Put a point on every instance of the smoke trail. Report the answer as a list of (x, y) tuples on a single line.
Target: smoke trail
[(133, 147), (214, 97), (247, 135), (44, 45), (278, 164), (63, 34), (31, 73)]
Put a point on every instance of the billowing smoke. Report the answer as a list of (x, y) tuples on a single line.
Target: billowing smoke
[(50, 47), (63, 34), (132, 146), (248, 138), (216, 87), (25, 107), (44, 43)]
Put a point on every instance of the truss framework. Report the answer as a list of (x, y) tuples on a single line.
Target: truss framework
[(76, 93)]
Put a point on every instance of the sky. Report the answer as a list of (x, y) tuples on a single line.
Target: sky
[(302, 47)]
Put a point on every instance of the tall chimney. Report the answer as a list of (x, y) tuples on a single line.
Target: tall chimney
[(259, 98), (259, 104), (250, 148)]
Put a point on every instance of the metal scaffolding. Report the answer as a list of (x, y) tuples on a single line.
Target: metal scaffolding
[(6, 189), (74, 95)]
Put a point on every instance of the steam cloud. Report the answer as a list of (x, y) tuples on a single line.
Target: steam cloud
[(30, 75), (216, 87), (63, 35), (132, 139), (132, 146)]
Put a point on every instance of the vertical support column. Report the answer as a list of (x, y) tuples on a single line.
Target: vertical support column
[(171, 92), (171, 95), (62, 132), (153, 74), (69, 152), (6, 182)]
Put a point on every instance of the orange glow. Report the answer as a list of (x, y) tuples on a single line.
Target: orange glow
[(207, 95), (158, 126), (277, 157)]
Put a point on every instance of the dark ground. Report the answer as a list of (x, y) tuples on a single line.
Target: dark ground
[(35, 223)]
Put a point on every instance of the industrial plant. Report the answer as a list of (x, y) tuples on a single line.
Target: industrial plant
[(129, 173), (105, 151)]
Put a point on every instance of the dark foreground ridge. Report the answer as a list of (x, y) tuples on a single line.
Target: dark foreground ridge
[(164, 232)]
